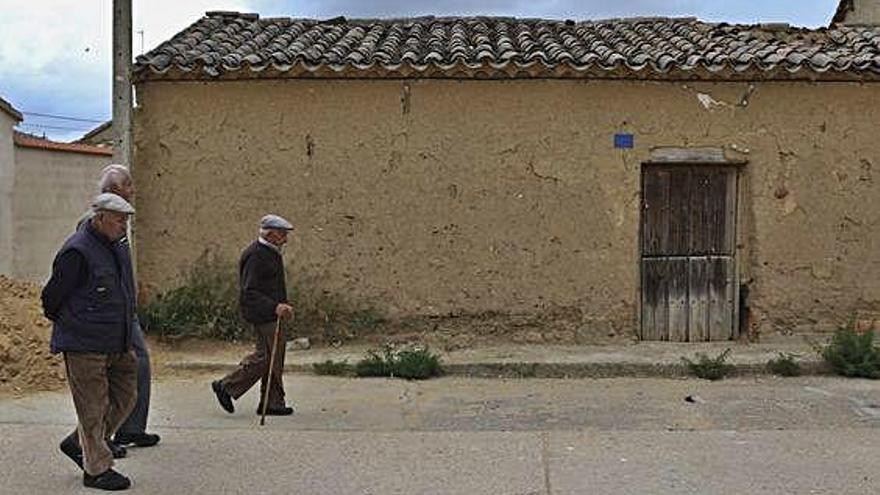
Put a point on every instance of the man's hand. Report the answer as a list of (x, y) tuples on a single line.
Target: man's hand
[(284, 310)]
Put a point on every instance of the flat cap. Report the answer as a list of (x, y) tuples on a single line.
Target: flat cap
[(275, 222), (111, 202)]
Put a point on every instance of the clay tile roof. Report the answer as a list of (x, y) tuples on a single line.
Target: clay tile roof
[(27, 141), (8, 108), (229, 45)]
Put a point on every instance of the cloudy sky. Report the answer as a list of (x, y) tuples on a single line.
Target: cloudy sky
[(55, 55)]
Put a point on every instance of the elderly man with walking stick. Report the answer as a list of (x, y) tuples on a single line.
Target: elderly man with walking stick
[(263, 301)]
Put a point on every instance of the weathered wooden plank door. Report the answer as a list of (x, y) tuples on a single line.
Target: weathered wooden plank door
[(687, 263)]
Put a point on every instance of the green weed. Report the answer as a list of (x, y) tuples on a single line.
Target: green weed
[(853, 353), (410, 364), (333, 368), (709, 368), (785, 365)]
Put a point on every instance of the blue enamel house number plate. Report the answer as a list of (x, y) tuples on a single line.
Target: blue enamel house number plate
[(623, 140)]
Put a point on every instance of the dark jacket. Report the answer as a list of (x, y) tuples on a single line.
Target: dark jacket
[(261, 280), (90, 297)]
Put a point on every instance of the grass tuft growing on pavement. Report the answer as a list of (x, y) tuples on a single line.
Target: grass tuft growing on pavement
[(524, 370), (375, 364), (785, 364), (416, 364), (333, 368), (709, 368), (410, 364)]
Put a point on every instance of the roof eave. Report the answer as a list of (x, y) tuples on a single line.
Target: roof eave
[(9, 109), (510, 72), (97, 130), (23, 141)]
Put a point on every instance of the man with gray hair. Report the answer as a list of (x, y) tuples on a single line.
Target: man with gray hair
[(117, 179), (90, 300), (263, 302)]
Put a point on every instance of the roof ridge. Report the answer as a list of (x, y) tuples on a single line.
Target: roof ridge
[(645, 19), (447, 18), (341, 19), (232, 13)]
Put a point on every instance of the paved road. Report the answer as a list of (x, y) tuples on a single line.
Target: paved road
[(471, 436)]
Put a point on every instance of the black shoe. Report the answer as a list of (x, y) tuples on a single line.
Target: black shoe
[(108, 480), (138, 439), (275, 411), (223, 397), (70, 447), (117, 450)]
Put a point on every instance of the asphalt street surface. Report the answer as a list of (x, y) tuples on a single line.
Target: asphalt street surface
[(760, 435)]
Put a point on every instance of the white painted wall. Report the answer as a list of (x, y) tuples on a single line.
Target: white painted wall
[(52, 191), (7, 179)]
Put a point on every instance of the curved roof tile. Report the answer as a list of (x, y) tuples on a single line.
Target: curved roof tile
[(233, 45)]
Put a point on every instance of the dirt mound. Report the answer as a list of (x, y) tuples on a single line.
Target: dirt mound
[(25, 362)]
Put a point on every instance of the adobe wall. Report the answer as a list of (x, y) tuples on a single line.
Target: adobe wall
[(461, 198)]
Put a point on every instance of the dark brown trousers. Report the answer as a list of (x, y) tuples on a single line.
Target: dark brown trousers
[(104, 389), (254, 367)]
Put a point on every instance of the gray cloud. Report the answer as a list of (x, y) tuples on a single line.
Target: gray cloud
[(799, 12), (61, 91)]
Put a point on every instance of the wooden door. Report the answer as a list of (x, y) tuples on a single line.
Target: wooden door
[(687, 253)]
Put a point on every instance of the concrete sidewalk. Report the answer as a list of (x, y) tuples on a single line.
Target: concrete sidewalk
[(643, 359)]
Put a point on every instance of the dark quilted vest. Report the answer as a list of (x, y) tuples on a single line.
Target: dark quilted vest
[(98, 315)]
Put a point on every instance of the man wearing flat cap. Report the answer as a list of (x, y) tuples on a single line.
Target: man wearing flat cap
[(117, 179), (263, 301), (90, 299)]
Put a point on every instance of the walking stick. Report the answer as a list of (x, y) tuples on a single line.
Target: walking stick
[(271, 369)]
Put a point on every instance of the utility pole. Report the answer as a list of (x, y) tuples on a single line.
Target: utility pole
[(122, 94), (122, 98)]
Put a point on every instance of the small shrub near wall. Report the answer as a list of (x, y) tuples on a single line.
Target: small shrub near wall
[(204, 306), (852, 353)]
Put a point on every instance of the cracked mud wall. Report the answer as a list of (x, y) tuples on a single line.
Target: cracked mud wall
[(447, 198), (863, 13)]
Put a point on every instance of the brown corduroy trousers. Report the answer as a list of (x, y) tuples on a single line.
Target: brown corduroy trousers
[(104, 389), (253, 367)]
